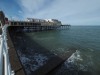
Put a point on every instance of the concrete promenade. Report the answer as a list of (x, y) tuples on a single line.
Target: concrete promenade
[(14, 60)]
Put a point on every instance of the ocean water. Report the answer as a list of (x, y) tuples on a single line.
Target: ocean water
[(85, 40)]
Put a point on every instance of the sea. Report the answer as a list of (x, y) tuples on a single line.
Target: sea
[(84, 40)]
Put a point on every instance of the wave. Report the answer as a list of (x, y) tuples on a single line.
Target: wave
[(74, 57), (76, 61)]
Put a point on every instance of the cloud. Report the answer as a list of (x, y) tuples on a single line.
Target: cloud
[(31, 8), (20, 12), (31, 5), (68, 11)]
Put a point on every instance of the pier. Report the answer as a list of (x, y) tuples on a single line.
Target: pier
[(31, 26), (65, 26)]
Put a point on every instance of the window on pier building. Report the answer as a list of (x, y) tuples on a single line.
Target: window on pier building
[(22, 23), (19, 23), (25, 23), (11, 23), (15, 23), (30, 23)]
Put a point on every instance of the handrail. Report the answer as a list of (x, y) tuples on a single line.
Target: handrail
[(5, 66)]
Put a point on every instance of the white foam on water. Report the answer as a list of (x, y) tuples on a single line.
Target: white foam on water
[(83, 67), (77, 60), (70, 65), (40, 59), (74, 57), (73, 61), (34, 62), (24, 59)]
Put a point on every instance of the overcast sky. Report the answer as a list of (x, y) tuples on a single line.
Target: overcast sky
[(74, 12)]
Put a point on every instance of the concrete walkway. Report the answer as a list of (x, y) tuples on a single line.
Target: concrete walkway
[(14, 60)]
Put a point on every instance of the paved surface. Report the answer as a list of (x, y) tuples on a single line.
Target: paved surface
[(14, 60)]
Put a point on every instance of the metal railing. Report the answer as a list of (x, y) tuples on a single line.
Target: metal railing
[(5, 66)]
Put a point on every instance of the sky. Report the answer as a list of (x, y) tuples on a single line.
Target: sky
[(74, 12)]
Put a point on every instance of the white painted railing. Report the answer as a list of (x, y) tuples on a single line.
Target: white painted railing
[(5, 66)]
